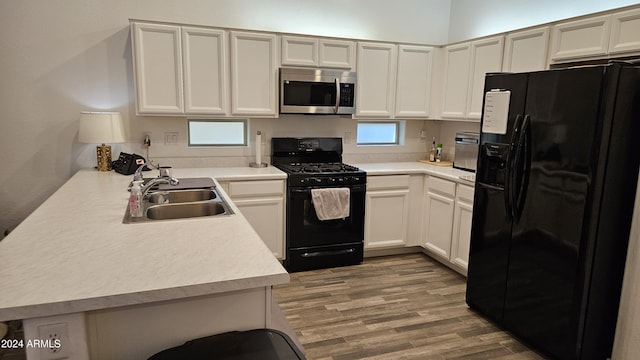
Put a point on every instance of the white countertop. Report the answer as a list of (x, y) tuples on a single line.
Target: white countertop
[(74, 254), (446, 172)]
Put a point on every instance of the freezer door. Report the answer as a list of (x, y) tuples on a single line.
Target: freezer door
[(553, 164), (491, 224)]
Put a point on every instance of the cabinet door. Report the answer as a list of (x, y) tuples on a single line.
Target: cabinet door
[(157, 68), (581, 38), (298, 50), (526, 50), (337, 54), (205, 71), (462, 226), (625, 32), (439, 224), (456, 81), (413, 90), (386, 215), (486, 56), (266, 216), (254, 65), (375, 91)]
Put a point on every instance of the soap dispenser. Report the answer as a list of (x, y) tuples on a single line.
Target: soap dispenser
[(135, 199)]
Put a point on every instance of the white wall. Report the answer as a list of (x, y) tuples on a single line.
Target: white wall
[(472, 18)]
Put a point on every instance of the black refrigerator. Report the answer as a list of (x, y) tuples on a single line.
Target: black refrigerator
[(555, 186)]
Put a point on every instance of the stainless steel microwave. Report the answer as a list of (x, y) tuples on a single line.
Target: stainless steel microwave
[(317, 91)]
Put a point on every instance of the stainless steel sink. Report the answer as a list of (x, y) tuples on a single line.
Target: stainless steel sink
[(185, 210), (181, 196), (180, 204)]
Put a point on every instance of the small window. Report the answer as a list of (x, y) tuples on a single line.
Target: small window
[(378, 133), (217, 132)]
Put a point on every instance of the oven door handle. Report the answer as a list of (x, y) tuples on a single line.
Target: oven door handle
[(307, 190), (328, 253)]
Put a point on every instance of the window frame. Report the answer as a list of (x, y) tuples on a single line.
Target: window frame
[(398, 132), (245, 132)]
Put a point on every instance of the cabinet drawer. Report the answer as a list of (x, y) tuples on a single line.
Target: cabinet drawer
[(464, 193), (442, 186), (388, 182), (252, 188)]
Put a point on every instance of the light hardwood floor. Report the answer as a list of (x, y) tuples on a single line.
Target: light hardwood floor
[(393, 307)]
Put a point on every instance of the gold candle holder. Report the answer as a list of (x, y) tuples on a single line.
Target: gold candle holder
[(104, 157)]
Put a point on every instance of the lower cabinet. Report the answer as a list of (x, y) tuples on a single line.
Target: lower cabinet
[(262, 203), (462, 215), (448, 214), (386, 211)]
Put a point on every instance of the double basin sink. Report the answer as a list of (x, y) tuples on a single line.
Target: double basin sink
[(180, 203)]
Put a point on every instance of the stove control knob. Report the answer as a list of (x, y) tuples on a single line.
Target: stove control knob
[(303, 181), (341, 180), (317, 180), (332, 180)]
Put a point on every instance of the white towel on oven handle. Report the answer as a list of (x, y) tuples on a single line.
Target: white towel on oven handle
[(331, 203)]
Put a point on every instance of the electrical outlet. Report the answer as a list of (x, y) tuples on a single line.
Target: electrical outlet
[(171, 138), (348, 137), (56, 338)]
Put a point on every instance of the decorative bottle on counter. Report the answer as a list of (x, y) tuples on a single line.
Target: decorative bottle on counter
[(135, 200), (432, 153), (439, 153)]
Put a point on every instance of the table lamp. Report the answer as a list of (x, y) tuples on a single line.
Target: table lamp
[(101, 128)]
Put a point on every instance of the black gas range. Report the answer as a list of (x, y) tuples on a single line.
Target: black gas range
[(311, 164)]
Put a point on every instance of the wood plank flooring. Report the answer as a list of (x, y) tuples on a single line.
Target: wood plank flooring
[(394, 307)]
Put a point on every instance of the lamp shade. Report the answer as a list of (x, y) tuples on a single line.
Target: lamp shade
[(101, 128)]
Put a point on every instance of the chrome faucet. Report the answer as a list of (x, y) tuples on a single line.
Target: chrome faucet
[(157, 181), (137, 176)]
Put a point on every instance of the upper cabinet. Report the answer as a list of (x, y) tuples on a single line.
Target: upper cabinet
[(413, 89), (486, 57), (456, 80), (206, 74), (526, 50), (625, 32), (581, 38), (611, 35), (375, 91), (315, 52), (158, 82), (254, 68), (465, 68)]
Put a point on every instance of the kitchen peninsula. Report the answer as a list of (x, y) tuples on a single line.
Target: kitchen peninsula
[(127, 291)]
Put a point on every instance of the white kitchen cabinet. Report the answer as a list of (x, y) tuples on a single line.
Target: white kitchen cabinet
[(465, 68), (486, 57), (386, 211), (375, 92), (439, 211), (413, 88), (205, 71), (462, 215), (254, 67), (299, 51), (318, 52), (526, 50), (580, 38), (625, 32), (456, 81), (337, 54), (262, 203), (157, 58)]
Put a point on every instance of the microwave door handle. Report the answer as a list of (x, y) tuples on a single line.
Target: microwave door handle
[(335, 109)]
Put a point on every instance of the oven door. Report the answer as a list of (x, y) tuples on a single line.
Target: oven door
[(305, 229), (313, 243)]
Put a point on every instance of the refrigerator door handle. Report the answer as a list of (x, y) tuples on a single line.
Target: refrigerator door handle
[(521, 167), (509, 182)]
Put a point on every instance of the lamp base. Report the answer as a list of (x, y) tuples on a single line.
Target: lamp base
[(103, 153)]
